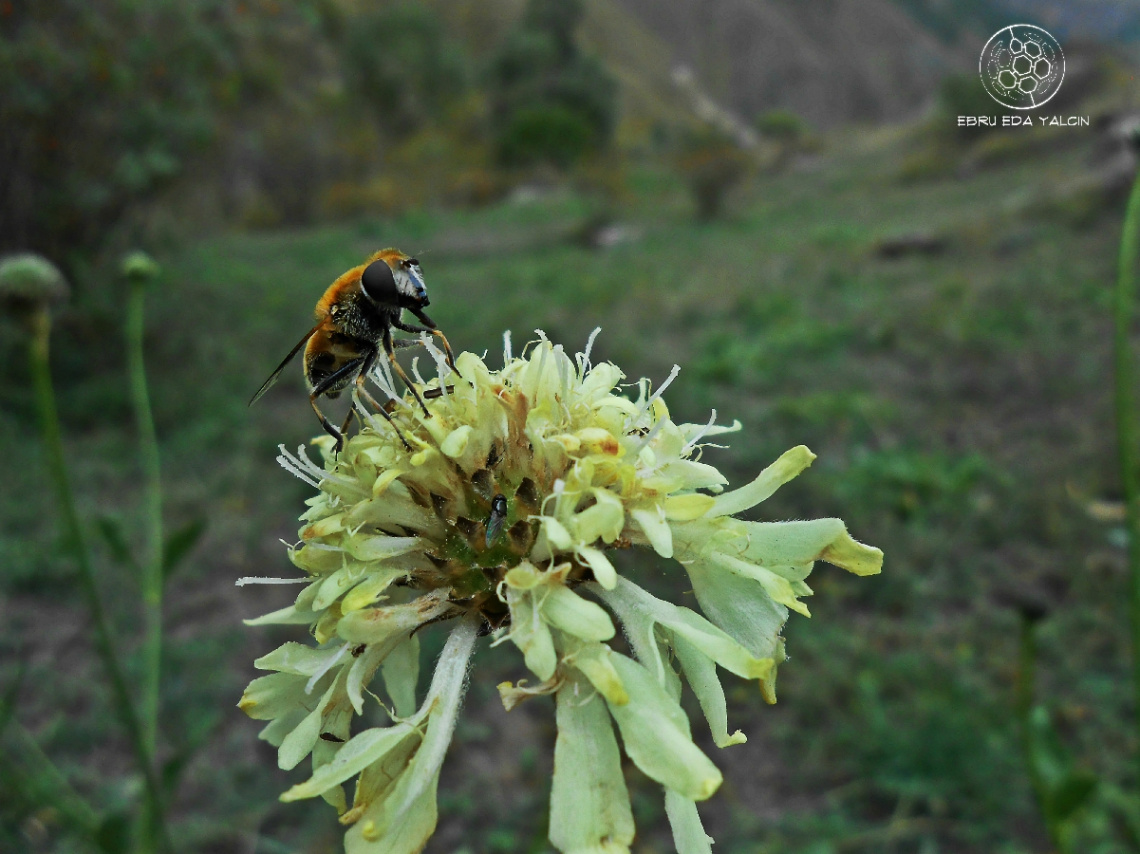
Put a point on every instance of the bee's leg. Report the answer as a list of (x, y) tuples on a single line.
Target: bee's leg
[(447, 350), (329, 428), (399, 370), (429, 326), (368, 398), (347, 421), (400, 343), (336, 378)]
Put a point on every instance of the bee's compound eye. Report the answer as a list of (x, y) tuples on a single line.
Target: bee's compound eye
[(378, 283), (413, 262)]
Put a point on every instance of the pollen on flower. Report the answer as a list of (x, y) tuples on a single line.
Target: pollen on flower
[(500, 511)]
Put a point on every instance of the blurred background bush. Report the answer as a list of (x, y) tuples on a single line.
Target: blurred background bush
[(776, 196)]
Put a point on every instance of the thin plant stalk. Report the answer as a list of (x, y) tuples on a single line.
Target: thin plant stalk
[(48, 783), (1128, 438), (76, 544), (1025, 689), (152, 569), (1026, 676)]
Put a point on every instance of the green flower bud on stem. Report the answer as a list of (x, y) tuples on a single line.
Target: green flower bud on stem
[(28, 282), (139, 267)]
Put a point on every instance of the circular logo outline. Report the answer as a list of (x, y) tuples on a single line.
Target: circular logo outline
[(1003, 97)]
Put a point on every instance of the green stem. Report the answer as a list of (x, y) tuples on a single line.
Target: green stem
[(1025, 688), (1126, 432), (73, 536), (47, 783), (1026, 678), (8, 706), (152, 564)]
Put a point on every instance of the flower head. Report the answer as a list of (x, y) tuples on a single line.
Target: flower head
[(28, 281), (139, 267), (502, 515)]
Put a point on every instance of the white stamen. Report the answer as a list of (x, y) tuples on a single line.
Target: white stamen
[(584, 361), (364, 412), (325, 547), (287, 462), (257, 579), (378, 424), (545, 352), (672, 376), (323, 474), (416, 371), (650, 436), (313, 468), (557, 493), (563, 370), (442, 369), (689, 445), (382, 376), (325, 669), (507, 348), (648, 405)]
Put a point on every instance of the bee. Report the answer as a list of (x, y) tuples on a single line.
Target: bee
[(354, 321)]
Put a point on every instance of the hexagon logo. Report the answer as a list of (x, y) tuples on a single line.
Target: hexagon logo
[(1022, 66)]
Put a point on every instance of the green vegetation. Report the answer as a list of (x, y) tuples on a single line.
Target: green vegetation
[(37, 776), (105, 105), (399, 62), (712, 165), (134, 121), (552, 103), (788, 133)]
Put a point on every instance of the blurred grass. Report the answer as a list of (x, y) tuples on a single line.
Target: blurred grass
[(958, 401)]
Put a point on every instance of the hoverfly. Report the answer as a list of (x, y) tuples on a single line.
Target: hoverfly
[(354, 321)]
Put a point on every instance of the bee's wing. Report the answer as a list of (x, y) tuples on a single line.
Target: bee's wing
[(273, 377)]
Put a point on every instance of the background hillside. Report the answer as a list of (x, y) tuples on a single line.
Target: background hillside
[(833, 63)]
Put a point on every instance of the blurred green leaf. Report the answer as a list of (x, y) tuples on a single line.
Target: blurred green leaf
[(111, 529), (190, 741), (1046, 753), (1063, 789), (1123, 809), (113, 835), (1070, 795), (179, 544), (172, 770), (8, 704)]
